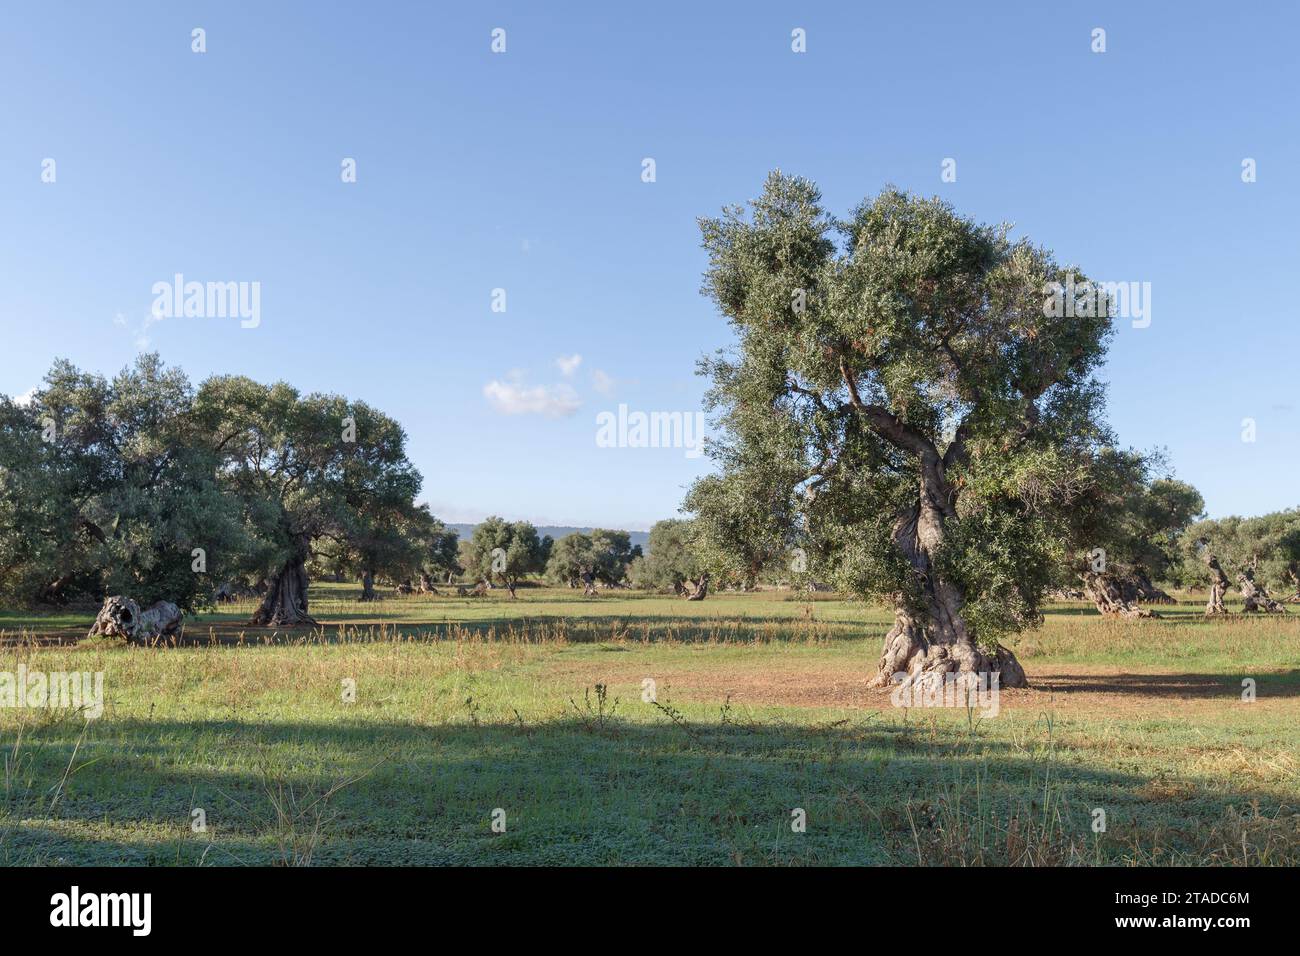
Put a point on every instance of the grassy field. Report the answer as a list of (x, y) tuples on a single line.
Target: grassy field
[(465, 707)]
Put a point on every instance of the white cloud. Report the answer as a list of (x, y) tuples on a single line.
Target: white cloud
[(568, 364), (26, 397), (141, 332), (515, 398), (602, 382)]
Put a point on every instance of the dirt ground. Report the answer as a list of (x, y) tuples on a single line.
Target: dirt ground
[(1066, 688)]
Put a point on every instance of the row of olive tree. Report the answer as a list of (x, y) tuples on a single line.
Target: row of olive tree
[(1147, 532), (143, 485), (1261, 554), (146, 486)]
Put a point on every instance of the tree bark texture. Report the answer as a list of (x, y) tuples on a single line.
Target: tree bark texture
[(697, 590), (933, 639), (1218, 585), (285, 601), (1256, 596), (1116, 595)]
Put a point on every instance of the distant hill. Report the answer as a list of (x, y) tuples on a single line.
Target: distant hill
[(466, 531)]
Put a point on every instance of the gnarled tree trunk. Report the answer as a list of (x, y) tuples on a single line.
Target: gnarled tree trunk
[(52, 593), (368, 585), (121, 617), (285, 601), (1256, 596), (696, 590), (1218, 585), (1115, 595), (933, 638)]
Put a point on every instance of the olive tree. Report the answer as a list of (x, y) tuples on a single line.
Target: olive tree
[(732, 535), (1259, 555), (571, 558), (382, 545), (914, 393), (110, 486), (304, 468), (1133, 524), (669, 561), (601, 555), (436, 546), (506, 551)]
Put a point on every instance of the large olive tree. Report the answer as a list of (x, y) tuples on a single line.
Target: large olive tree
[(918, 402), (305, 468), (109, 486)]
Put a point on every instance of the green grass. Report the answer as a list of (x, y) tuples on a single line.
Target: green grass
[(464, 706)]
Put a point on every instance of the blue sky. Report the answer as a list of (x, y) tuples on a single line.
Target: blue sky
[(522, 171)]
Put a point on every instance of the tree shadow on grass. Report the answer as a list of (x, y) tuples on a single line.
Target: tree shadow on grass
[(592, 790), (1185, 686)]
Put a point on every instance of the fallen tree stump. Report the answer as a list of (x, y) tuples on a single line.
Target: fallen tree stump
[(121, 617)]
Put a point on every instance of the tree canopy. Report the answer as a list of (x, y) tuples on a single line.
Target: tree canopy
[(304, 467), (903, 398), (110, 486), (504, 551), (670, 558), (602, 555), (142, 485)]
